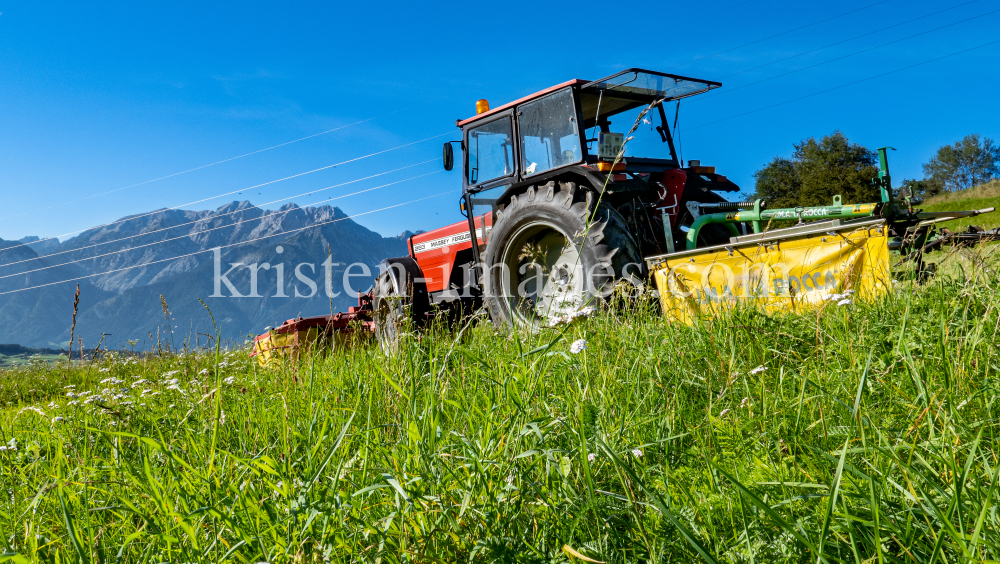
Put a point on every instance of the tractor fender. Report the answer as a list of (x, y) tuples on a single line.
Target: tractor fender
[(585, 179)]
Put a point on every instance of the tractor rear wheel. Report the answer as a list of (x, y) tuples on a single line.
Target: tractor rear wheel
[(400, 300), (544, 262)]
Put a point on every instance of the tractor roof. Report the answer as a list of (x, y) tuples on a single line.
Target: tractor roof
[(498, 109), (623, 90)]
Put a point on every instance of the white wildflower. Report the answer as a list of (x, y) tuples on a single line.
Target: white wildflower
[(848, 293), (724, 412), (744, 402), (961, 405), (58, 420), (171, 382), (112, 381), (71, 395), (578, 346), (204, 372), (843, 302), (70, 387), (757, 370), (171, 406), (223, 364), (230, 381), (592, 457), (53, 405), (139, 382), (104, 370), (31, 408), (69, 403), (637, 452), (171, 373)]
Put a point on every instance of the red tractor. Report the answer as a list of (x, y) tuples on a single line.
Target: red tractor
[(558, 215)]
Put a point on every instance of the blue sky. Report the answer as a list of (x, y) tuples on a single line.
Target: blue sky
[(96, 97)]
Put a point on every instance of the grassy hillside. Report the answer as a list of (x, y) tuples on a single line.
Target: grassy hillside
[(977, 198), (860, 433), (11, 355)]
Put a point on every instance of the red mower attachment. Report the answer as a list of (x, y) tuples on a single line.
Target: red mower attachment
[(322, 332)]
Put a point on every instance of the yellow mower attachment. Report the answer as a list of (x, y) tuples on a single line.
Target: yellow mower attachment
[(786, 269)]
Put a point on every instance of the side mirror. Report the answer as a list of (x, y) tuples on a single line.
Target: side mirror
[(448, 156)]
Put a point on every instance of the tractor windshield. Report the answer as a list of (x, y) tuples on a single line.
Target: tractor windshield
[(549, 134)]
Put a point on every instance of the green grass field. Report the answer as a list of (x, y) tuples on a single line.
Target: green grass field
[(980, 197), (863, 433), (17, 359)]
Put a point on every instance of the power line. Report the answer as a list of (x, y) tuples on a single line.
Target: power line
[(216, 163), (846, 56), (229, 245), (719, 11), (187, 235), (130, 218), (846, 85), (778, 34), (144, 233), (848, 40)]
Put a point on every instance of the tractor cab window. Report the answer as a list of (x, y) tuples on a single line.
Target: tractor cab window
[(550, 137), (491, 151)]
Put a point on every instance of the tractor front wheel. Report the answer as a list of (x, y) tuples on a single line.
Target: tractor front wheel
[(548, 256), (400, 301)]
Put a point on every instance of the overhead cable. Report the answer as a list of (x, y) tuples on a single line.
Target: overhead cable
[(134, 217), (729, 90), (846, 85), (778, 34), (227, 246), (187, 235), (848, 40), (217, 162), (216, 216)]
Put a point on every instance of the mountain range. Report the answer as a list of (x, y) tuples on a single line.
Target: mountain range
[(124, 268)]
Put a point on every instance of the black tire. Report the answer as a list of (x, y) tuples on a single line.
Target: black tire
[(400, 301), (544, 233)]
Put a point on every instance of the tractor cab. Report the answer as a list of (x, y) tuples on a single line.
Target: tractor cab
[(576, 131), (565, 125)]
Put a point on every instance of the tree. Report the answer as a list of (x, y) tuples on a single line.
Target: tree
[(817, 171), (778, 183), (925, 188), (965, 164)]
